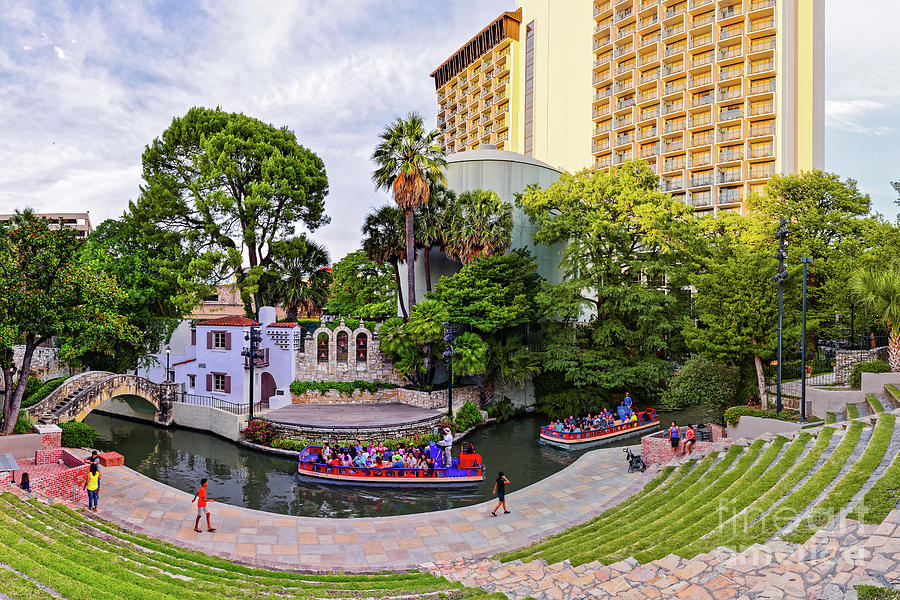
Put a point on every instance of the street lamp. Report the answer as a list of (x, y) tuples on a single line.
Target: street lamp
[(782, 236), (168, 352), (252, 353), (448, 355), (806, 260)]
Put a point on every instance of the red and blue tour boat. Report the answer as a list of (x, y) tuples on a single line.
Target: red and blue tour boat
[(646, 419), (467, 470)]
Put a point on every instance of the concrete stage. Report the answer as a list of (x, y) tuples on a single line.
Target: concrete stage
[(352, 416)]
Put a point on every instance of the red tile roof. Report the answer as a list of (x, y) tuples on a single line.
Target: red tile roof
[(183, 362), (281, 325), (229, 321)]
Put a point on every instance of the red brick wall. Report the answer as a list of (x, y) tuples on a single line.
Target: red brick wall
[(656, 447), (51, 440), (66, 484), (70, 460), (46, 456)]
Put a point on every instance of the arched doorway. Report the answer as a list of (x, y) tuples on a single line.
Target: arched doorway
[(266, 387)]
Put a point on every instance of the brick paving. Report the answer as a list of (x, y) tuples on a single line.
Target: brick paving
[(594, 482)]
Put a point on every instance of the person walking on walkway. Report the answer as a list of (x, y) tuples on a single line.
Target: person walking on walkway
[(500, 491), (201, 500), (674, 438), (92, 485)]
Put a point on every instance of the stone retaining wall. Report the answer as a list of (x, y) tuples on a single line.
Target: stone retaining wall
[(324, 434), (845, 359), (430, 400), (656, 447)]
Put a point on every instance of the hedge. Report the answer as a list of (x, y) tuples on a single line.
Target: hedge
[(77, 435), (24, 424), (42, 392), (344, 388), (874, 366), (734, 414)]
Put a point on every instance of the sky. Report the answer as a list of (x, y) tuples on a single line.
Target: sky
[(86, 85)]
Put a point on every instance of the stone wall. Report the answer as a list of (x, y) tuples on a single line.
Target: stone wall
[(375, 366), (365, 434), (45, 363), (431, 400), (845, 359)]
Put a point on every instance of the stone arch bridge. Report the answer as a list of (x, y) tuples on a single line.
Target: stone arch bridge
[(81, 394)]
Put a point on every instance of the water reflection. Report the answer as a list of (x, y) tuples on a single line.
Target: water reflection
[(243, 477)]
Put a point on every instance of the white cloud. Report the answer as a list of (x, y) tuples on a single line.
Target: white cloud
[(847, 115), (60, 53)]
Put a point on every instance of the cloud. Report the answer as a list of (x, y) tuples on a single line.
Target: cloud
[(847, 115), (60, 53)]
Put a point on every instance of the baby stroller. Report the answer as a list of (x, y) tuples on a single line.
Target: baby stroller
[(635, 462)]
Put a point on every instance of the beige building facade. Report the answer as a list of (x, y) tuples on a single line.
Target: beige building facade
[(715, 95)]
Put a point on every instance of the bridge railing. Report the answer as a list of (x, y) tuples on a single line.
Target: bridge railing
[(234, 408)]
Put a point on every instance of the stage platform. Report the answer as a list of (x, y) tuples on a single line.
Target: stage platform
[(353, 416)]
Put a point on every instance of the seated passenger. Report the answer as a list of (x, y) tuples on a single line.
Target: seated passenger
[(398, 462), (359, 461)]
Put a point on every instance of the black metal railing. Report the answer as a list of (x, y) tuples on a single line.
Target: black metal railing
[(241, 408)]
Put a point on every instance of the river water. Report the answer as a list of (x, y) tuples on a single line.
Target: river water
[(244, 477)]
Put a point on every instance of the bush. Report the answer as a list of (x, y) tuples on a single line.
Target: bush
[(502, 410), (702, 381), (259, 431), (344, 388), (734, 414), (42, 391), (285, 443), (32, 385), (467, 417), (24, 424), (874, 366), (77, 435)]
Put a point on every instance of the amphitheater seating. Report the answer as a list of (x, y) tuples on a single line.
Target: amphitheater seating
[(51, 548)]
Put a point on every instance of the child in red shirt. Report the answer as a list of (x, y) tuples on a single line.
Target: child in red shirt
[(201, 499)]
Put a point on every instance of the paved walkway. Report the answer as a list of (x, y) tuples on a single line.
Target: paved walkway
[(595, 481), (351, 415)]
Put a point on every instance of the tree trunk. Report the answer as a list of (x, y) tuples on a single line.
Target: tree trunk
[(291, 315), (487, 391), (8, 372), (399, 289), (761, 381), (427, 259), (894, 350), (14, 402), (410, 261)]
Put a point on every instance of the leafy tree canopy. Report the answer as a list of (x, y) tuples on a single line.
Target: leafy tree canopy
[(477, 224), (298, 276), (362, 288), (46, 291), (493, 293), (230, 185)]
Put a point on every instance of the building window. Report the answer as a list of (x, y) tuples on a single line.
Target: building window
[(219, 341), (212, 298), (218, 382), (192, 381)]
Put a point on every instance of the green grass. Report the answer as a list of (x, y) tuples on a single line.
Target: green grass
[(875, 403), (871, 592), (881, 498), (852, 411), (894, 392), (83, 559), (830, 417), (841, 494)]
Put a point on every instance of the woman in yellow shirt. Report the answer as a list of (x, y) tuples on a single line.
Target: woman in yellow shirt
[(92, 485)]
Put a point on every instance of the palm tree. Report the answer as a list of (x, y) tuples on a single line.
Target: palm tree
[(879, 292), (302, 275), (383, 242), (430, 224), (408, 160), (480, 225)]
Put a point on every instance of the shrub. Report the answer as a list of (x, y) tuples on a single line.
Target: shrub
[(285, 443), (467, 417), (556, 398), (502, 410), (24, 424), (702, 381), (42, 391), (259, 431), (874, 366), (734, 414), (32, 384), (77, 435), (344, 388)]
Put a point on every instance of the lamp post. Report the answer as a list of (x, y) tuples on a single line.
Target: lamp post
[(251, 354), (448, 355), (782, 236), (806, 260), (168, 352)]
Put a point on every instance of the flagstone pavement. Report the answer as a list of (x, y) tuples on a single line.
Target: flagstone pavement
[(594, 482)]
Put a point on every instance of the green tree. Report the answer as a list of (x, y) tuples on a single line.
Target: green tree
[(507, 360), (703, 382), (479, 224), (880, 292), (408, 161), (629, 249), (298, 276), (383, 243), (231, 185), (431, 225), (492, 293), (46, 291), (362, 288)]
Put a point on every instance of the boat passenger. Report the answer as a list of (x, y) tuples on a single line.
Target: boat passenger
[(359, 461), (627, 400), (429, 466), (398, 462)]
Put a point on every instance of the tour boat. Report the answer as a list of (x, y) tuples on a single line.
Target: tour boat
[(466, 470), (646, 419)]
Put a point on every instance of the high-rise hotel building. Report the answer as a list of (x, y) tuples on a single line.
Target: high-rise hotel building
[(716, 95)]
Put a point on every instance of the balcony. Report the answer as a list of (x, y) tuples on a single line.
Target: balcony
[(761, 24), (729, 93), (704, 20), (647, 4), (673, 126), (761, 4), (601, 146), (703, 59), (701, 140), (730, 176), (730, 52), (701, 199), (730, 11), (603, 163), (704, 80), (650, 39), (623, 50), (603, 127), (729, 134), (762, 172), (649, 151), (674, 11), (761, 67), (731, 73), (670, 185), (700, 3), (701, 41), (625, 68), (700, 160), (672, 50), (761, 129), (649, 76), (599, 112), (647, 96), (623, 14), (730, 196), (762, 150), (648, 21), (701, 100), (623, 121), (673, 165), (625, 32), (730, 154), (673, 30), (622, 86), (672, 69), (601, 94), (647, 133), (761, 108), (763, 44), (674, 146), (647, 58), (673, 88), (628, 103), (730, 32), (600, 8), (701, 180), (672, 107)]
